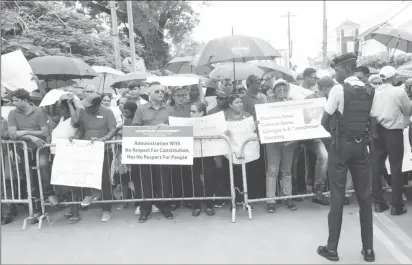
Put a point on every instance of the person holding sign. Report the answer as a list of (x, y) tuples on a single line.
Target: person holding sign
[(97, 123), (279, 157), (350, 103), (154, 113), (202, 166)]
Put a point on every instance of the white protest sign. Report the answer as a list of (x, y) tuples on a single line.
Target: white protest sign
[(5, 110), (291, 120), (239, 132), (407, 154), (16, 72), (211, 102), (148, 145), (211, 125), (78, 164)]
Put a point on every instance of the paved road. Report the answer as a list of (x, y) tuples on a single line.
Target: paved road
[(283, 237)]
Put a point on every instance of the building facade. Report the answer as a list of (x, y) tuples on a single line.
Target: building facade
[(346, 37)]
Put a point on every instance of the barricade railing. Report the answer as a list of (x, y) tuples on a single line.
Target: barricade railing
[(248, 200), (189, 182), (15, 169)]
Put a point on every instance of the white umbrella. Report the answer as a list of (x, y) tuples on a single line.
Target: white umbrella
[(53, 96), (173, 80), (107, 70)]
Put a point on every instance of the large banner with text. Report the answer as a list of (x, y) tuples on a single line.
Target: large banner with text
[(148, 145), (291, 120)]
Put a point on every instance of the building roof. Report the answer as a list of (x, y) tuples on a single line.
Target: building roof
[(348, 23)]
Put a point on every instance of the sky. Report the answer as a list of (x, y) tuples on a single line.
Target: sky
[(263, 19)]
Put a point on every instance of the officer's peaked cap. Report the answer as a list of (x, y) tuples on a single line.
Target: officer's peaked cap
[(346, 57)]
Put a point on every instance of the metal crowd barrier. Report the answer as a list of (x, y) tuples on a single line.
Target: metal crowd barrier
[(15, 168), (248, 200), (176, 196)]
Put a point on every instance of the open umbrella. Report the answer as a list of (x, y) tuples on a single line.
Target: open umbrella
[(102, 84), (272, 66), (398, 39), (243, 70), (236, 47), (206, 82), (183, 65), (107, 70), (53, 84), (61, 68), (122, 81), (53, 96)]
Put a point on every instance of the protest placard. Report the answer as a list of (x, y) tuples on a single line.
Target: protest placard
[(16, 72), (211, 125), (407, 154), (211, 103), (239, 132), (78, 164), (291, 120), (148, 145)]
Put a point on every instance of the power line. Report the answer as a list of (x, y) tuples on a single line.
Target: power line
[(396, 13)]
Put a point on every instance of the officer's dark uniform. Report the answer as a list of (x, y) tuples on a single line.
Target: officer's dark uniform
[(349, 149)]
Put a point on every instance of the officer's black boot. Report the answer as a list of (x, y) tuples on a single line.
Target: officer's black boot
[(328, 254), (398, 210), (368, 255), (381, 207)]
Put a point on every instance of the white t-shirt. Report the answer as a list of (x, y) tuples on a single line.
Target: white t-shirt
[(64, 130)]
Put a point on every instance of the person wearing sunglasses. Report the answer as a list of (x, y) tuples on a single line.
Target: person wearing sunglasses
[(227, 83), (155, 113), (310, 79)]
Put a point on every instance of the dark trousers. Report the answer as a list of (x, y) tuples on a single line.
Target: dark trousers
[(106, 183), (155, 183), (389, 144), (182, 183), (352, 156), (206, 188)]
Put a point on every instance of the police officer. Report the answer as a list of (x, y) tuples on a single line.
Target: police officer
[(349, 105)]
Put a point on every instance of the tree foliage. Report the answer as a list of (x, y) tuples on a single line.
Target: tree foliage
[(382, 59), (155, 23), (42, 28)]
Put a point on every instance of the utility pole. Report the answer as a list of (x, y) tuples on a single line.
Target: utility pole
[(115, 33), (289, 40), (131, 34), (325, 36)]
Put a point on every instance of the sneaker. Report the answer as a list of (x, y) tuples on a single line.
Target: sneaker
[(271, 207), (320, 199), (155, 209), (219, 204), (137, 211), (290, 205), (106, 216), (328, 254), (89, 199), (368, 255)]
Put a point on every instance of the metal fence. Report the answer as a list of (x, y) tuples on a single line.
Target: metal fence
[(298, 192), (187, 183), (16, 180)]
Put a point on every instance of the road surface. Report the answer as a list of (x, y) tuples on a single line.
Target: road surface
[(282, 237)]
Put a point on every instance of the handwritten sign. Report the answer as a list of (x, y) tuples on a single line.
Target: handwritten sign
[(211, 125), (239, 132), (78, 164), (148, 145), (291, 120)]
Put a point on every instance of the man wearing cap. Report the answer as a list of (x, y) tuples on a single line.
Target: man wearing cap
[(392, 112), (155, 179), (97, 123), (351, 103)]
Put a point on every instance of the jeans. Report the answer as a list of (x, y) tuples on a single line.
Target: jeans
[(279, 156), (317, 147)]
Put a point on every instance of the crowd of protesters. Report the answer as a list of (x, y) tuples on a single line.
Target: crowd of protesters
[(283, 169)]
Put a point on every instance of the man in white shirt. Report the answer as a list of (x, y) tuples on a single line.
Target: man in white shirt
[(392, 111)]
